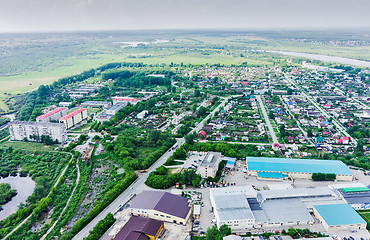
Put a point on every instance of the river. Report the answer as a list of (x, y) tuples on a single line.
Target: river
[(325, 58), (24, 187)]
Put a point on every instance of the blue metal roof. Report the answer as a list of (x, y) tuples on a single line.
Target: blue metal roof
[(285, 165), (270, 175), (339, 214)]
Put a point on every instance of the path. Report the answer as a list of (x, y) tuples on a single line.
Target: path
[(65, 207), (139, 185), (267, 120), (57, 182)]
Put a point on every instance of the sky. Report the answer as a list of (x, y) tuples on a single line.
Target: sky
[(76, 15)]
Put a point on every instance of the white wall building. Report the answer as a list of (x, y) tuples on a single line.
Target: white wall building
[(20, 130), (209, 165)]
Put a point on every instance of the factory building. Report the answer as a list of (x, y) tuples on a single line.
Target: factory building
[(243, 208), (209, 164), (339, 217), (162, 206), (52, 115), (20, 130), (126, 100), (296, 168), (74, 118)]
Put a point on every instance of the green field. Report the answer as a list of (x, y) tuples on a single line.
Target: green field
[(27, 69)]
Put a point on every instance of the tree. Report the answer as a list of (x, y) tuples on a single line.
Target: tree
[(225, 230), (213, 233), (309, 132), (202, 111)]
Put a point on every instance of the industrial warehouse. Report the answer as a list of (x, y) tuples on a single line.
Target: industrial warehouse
[(280, 168), (243, 208), (162, 206)]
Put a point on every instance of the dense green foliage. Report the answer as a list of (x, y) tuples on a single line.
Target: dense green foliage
[(162, 179), (124, 149), (324, 176), (6, 193), (100, 205), (43, 168), (101, 227)]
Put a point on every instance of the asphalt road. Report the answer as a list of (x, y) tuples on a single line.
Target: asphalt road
[(267, 120), (139, 185)]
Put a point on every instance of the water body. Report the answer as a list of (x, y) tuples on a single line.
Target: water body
[(326, 58), (24, 187)]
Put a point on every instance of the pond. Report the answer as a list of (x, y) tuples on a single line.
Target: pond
[(24, 187)]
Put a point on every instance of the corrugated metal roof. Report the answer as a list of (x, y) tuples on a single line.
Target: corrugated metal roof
[(297, 165), (162, 201), (339, 214), (136, 228)]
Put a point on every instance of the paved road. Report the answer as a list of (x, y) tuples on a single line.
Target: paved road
[(267, 120), (139, 185), (339, 126)]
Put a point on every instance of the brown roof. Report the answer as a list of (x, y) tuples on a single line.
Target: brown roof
[(137, 227)]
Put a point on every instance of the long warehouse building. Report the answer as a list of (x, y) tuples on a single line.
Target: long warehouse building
[(297, 168)]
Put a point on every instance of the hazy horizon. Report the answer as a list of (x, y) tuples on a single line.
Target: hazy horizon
[(240, 15)]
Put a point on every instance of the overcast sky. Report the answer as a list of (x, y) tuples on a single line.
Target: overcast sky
[(71, 15)]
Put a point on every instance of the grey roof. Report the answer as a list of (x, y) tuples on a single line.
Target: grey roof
[(286, 210), (232, 207), (210, 159), (356, 198), (259, 216), (163, 202), (297, 193)]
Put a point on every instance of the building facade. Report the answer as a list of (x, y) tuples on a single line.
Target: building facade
[(20, 130), (52, 115), (74, 118), (209, 165)]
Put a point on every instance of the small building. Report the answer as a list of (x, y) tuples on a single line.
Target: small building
[(140, 228), (230, 162), (162, 206), (142, 114), (196, 212), (74, 118), (209, 165), (103, 116), (319, 140), (53, 115), (65, 104), (202, 134), (339, 217)]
